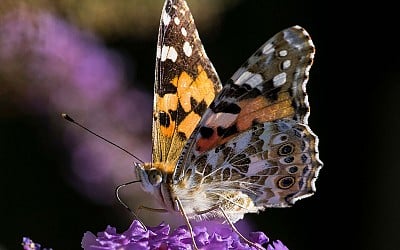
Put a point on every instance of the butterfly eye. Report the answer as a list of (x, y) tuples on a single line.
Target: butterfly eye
[(154, 176)]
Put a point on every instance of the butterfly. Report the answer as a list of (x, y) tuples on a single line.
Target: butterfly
[(220, 152)]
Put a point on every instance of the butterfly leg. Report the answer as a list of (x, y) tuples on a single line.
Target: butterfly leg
[(117, 189), (178, 202), (141, 207), (156, 210), (136, 212), (237, 231)]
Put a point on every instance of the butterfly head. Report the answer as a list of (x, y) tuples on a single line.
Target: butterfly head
[(150, 176)]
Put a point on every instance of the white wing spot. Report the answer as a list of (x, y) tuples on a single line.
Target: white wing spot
[(158, 51), (183, 31), (250, 78), (164, 52), (267, 49), (243, 77), (172, 54), (177, 21), (165, 18), (293, 39), (286, 64), (221, 119), (279, 79), (255, 80), (283, 53), (187, 49), (168, 53)]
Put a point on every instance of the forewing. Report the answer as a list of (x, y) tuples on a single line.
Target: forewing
[(269, 86), (185, 83)]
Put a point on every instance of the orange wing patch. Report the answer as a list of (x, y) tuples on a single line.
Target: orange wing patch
[(202, 87), (260, 110), (221, 127), (164, 105), (198, 89), (190, 92)]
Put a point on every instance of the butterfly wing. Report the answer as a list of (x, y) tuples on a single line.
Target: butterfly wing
[(269, 86), (185, 83), (254, 138)]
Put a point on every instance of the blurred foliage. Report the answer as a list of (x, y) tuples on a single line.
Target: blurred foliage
[(137, 18)]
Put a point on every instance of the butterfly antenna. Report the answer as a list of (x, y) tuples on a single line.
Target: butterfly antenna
[(125, 205), (68, 118)]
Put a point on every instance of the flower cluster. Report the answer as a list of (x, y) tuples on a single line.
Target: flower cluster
[(216, 236), (160, 237)]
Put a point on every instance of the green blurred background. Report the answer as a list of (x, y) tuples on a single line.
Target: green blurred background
[(95, 60)]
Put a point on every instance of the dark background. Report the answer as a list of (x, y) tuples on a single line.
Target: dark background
[(354, 92)]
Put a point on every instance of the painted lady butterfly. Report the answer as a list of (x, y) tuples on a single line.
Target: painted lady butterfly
[(222, 152)]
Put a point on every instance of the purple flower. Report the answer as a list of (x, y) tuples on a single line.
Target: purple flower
[(28, 244), (136, 237), (277, 245)]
